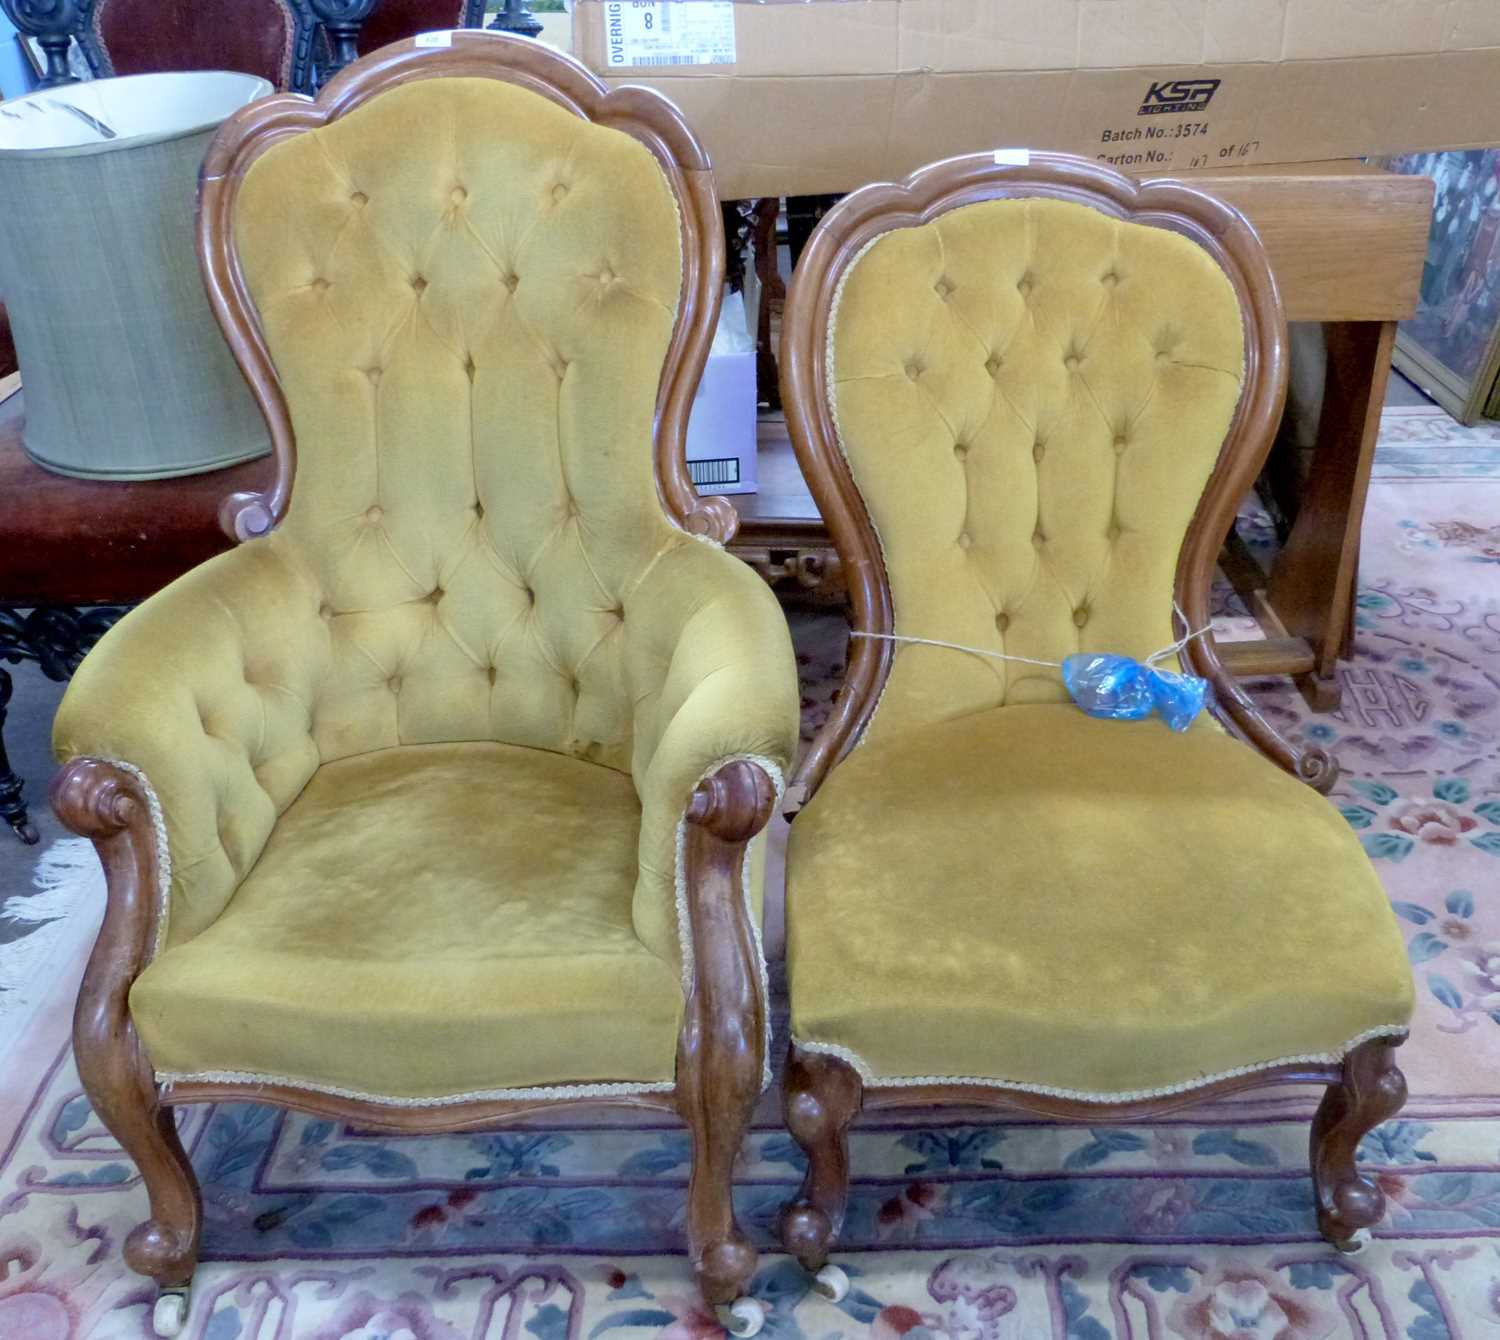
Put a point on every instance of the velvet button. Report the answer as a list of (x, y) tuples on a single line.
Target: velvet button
[(419, 284), (960, 450), (1038, 450), (965, 541), (373, 514), (510, 281), (992, 364), (1071, 362), (394, 683), (943, 288), (913, 370), (359, 198), (1002, 621), (1120, 442), (458, 195), (1080, 617)]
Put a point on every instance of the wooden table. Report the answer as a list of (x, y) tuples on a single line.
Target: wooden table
[(76, 542), (1346, 242)]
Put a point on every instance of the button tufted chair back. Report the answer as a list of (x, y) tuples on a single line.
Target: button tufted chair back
[(458, 296), (1012, 388)]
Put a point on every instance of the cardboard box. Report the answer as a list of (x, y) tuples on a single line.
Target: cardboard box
[(721, 440), (824, 95)]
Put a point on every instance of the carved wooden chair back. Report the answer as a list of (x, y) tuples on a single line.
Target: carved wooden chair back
[(475, 295), (1028, 400), (276, 39), (269, 38)]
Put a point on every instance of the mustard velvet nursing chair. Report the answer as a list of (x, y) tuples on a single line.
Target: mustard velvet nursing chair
[(1028, 399), (436, 801)]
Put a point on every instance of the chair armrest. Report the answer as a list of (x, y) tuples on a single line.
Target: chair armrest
[(710, 663), (204, 692)]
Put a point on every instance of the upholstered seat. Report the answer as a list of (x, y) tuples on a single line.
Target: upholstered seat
[(1033, 895), (424, 921)]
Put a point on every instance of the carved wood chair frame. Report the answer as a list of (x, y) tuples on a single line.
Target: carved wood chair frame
[(822, 1093), (724, 1032)]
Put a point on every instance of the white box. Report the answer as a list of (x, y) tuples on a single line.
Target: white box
[(721, 428)]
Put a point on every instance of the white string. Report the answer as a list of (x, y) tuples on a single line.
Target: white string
[(1170, 650)]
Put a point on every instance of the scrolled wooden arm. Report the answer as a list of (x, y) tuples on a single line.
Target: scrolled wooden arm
[(721, 1049), (1233, 706), (735, 803), (96, 798), (110, 804)]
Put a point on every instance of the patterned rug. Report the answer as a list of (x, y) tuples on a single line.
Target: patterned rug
[(1198, 1227)]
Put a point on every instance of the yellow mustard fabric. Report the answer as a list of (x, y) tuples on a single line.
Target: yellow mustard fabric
[(1031, 395), (1034, 895), (425, 921), (468, 293)]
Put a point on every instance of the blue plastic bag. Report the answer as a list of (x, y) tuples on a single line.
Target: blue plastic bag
[(1123, 689)]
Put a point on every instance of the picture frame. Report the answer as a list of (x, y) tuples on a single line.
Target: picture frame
[(1451, 347)]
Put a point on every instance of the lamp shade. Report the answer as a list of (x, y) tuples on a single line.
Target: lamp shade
[(126, 373)]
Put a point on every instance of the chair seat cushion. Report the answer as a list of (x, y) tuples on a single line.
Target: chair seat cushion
[(428, 921), (1033, 896)]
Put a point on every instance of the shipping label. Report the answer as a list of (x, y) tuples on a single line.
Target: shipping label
[(668, 32)]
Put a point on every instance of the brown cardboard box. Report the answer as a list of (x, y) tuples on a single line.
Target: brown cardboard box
[(827, 94)]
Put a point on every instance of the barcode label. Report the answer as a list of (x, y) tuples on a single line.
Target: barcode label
[(723, 471), (668, 32)]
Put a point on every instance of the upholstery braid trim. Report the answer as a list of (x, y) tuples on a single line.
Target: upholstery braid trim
[(684, 925), (874, 1081), (163, 853), (167, 1078)]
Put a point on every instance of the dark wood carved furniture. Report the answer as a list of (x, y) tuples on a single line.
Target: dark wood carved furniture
[(1346, 243), (77, 550), (296, 44), (1032, 384), (579, 633)]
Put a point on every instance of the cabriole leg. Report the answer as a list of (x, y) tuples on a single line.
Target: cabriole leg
[(821, 1095), (1371, 1090)]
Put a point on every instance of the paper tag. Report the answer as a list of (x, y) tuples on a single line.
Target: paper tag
[(1013, 157), (668, 32), (442, 39)]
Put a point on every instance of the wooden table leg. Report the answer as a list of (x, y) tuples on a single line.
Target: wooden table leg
[(1312, 583)]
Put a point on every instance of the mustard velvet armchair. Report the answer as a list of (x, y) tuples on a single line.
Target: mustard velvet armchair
[(1028, 400), (436, 801)]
